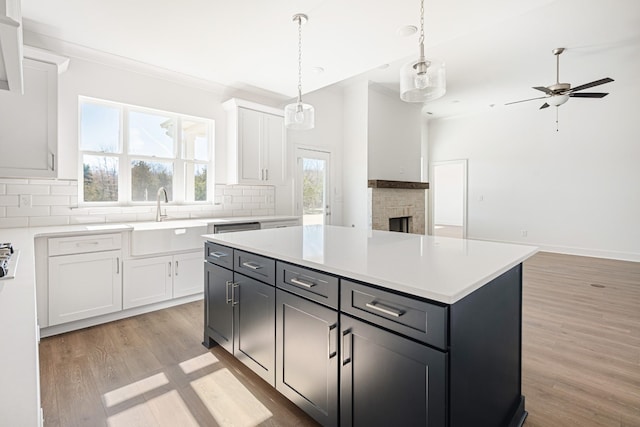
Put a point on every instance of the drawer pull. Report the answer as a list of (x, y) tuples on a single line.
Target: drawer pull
[(252, 265), (302, 283), (79, 244), (383, 309), (218, 254)]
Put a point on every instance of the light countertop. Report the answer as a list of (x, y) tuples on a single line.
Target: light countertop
[(19, 400), (437, 268)]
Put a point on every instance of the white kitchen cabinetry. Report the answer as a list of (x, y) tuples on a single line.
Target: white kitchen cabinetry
[(256, 144), (85, 277), (151, 280), (30, 122), (279, 224)]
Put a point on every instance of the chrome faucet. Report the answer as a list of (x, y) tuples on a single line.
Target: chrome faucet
[(161, 191)]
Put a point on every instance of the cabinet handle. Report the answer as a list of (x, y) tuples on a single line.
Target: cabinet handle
[(383, 309), (303, 283), (333, 329), (227, 284), (169, 268), (266, 173), (252, 265), (234, 286), (176, 268), (218, 254), (117, 265), (90, 243), (346, 359), (53, 162)]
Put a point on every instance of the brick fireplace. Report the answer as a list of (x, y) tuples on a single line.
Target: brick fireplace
[(398, 206)]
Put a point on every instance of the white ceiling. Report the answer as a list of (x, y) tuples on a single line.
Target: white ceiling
[(495, 50)]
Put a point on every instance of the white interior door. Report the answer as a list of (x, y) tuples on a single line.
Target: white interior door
[(448, 188), (313, 195)]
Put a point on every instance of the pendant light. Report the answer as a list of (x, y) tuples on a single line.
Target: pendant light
[(298, 115), (422, 80)]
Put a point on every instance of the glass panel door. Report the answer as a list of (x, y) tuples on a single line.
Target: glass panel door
[(312, 186)]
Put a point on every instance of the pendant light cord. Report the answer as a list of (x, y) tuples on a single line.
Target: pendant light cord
[(299, 60), (421, 40)]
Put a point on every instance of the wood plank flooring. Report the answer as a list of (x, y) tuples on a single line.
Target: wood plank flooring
[(581, 361)]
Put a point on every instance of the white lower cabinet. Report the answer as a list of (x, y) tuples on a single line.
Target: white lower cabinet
[(162, 278), (84, 285)]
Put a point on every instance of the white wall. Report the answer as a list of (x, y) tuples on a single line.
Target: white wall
[(394, 137), (355, 212), (448, 194), (574, 191), (327, 135)]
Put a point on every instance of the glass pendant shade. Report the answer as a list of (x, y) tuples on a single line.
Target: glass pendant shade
[(422, 80), (299, 116)]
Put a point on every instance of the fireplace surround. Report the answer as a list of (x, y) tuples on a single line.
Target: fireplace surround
[(398, 199)]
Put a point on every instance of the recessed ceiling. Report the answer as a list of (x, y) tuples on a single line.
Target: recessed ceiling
[(495, 50)]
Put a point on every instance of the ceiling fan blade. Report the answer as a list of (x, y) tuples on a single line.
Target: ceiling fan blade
[(592, 84), (525, 100), (588, 95), (544, 89), (545, 105)]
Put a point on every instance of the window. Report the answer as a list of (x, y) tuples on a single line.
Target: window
[(127, 153)]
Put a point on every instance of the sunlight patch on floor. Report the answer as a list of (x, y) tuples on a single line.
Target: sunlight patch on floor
[(228, 401), (196, 363), (129, 391)]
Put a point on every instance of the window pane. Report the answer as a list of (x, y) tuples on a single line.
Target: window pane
[(151, 135), (195, 144), (99, 128), (148, 177), (100, 178), (196, 182)]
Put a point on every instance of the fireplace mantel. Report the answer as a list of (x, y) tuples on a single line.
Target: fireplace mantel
[(408, 185)]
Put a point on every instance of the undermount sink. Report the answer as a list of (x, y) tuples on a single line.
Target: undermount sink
[(168, 236)]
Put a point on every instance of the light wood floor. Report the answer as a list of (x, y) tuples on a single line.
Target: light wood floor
[(581, 361)]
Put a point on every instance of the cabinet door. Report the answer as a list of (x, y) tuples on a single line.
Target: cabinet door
[(187, 274), (29, 122), (273, 149), (306, 356), (218, 308), (389, 380), (147, 281), (254, 326), (250, 168), (84, 285)]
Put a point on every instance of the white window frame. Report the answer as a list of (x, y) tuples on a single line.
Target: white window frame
[(125, 159)]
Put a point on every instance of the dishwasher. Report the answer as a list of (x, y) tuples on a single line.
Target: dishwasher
[(230, 228)]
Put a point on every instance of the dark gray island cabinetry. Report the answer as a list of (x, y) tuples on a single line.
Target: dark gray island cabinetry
[(355, 340)]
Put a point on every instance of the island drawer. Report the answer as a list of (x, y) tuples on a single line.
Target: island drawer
[(219, 255), (255, 266), (310, 284), (414, 318), (84, 244)]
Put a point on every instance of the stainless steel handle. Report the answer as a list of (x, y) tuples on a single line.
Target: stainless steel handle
[(117, 265), (169, 268), (218, 254), (252, 265), (261, 174), (87, 243), (227, 284), (333, 329), (176, 268), (266, 173), (384, 309), (299, 282), (234, 286), (53, 161), (346, 359)]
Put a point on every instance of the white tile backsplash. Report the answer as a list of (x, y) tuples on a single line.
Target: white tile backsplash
[(55, 202)]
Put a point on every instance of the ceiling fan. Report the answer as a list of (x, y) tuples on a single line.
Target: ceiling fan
[(559, 93)]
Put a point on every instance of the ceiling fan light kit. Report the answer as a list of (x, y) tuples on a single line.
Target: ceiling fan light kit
[(423, 79), (298, 115)]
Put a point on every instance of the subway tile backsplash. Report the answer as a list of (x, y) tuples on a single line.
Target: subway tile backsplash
[(55, 202)]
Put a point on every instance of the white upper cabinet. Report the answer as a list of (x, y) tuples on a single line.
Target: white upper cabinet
[(256, 144), (29, 123)]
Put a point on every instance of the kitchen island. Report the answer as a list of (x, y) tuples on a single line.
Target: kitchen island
[(361, 327)]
